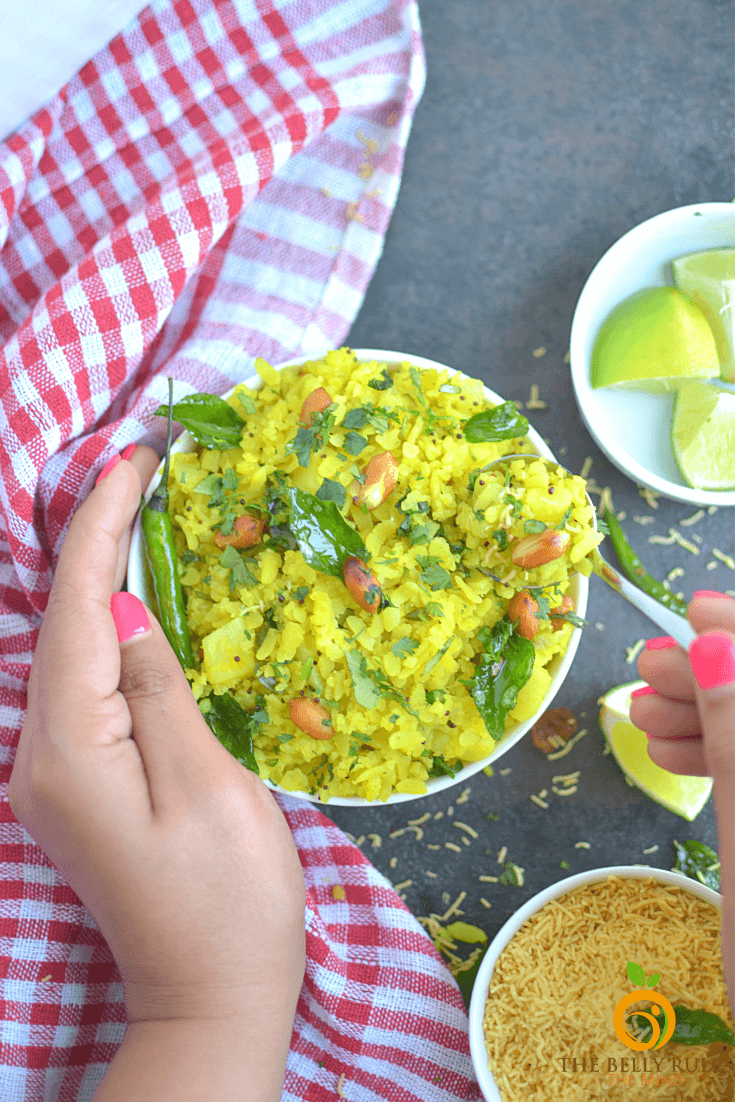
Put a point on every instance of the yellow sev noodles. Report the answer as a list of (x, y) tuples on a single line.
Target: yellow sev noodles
[(556, 984)]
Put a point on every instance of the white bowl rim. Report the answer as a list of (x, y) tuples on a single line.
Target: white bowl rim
[(434, 784), (580, 369), (508, 931)]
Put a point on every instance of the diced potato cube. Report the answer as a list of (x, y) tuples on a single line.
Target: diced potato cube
[(227, 653), (531, 695)]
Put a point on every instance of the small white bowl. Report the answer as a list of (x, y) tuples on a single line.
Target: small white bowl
[(558, 667), (631, 427), (481, 987)]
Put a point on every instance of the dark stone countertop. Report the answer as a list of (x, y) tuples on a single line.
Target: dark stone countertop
[(546, 131)]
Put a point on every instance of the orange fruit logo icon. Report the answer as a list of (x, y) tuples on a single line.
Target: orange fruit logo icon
[(661, 1018)]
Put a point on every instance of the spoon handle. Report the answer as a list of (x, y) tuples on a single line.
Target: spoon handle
[(674, 625)]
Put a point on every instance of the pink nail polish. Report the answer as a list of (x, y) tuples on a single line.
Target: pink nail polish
[(128, 451), (107, 468), (712, 656), (661, 642), (712, 594), (645, 691), (130, 616)]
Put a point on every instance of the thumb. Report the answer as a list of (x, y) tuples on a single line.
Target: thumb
[(712, 658), (173, 739)]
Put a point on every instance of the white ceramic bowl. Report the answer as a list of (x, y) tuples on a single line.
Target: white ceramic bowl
[(558, 667), (513, 925), (633, 428)]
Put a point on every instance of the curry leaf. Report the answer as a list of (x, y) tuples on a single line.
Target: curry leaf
[(498, 679), (234, 727), (324, 537), (699, 862), (210, 420)]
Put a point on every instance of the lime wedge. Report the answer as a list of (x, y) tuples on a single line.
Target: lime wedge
[(703, 436), (652, 341), (685, 796), (709, 279)]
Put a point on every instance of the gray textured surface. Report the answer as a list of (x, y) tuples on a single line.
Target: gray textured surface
[(546, 131)]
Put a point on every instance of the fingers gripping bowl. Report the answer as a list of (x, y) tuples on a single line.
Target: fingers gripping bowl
[(368, 456)]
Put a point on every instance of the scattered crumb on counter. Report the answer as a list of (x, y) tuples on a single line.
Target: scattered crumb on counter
[(502, 855), (484, 901), (581, 845), (451, 845), (633, 652), (644, 520), (653, 849), (692, 519)]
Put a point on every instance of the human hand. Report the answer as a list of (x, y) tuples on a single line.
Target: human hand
[(180, 854), (691, 731), (690, 720)]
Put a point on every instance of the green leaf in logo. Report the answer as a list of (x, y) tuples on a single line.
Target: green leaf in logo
[(653, 980), (636, 974)]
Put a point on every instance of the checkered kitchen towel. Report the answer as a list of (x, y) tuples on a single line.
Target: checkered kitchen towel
[(212, 186)]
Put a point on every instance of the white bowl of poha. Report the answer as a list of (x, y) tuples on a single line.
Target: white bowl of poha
[(404, 723), (549, 984)]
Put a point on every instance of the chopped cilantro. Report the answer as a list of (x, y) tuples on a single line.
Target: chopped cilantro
[(531, 527), (188, 557), (314, 437), (239, 571), (435, 694), (501, 538), (433, 573), (354, 443), (434, 609), (381, 383), (404, 647), (566, 517), (300, 593), (332, 491)]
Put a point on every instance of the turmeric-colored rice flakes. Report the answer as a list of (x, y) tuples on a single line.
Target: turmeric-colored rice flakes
[(396, 681)]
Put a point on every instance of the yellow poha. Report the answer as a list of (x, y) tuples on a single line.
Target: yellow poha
[(440, 546)]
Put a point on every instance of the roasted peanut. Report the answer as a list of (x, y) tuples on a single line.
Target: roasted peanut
[(315, 403), (553, 730), (246, 532), (540, 548), (362, 585), (523, 608), (380, 481), (566, 605), (311, 716)]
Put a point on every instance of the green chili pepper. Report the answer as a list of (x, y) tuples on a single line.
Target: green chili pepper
[(635, 570), (160, 552)]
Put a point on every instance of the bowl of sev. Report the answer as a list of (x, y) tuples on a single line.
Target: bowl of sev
[(543, 1021)]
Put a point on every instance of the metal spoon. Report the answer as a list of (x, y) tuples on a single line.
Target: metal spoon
[(674, 625)]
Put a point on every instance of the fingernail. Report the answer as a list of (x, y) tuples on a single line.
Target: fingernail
[(713, 660), (661, 642), (107, 468), (712, 593), (645, 691), (127, 452), (130, 616)]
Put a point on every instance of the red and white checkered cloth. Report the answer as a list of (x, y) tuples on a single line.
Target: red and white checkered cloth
[(212, 186)]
